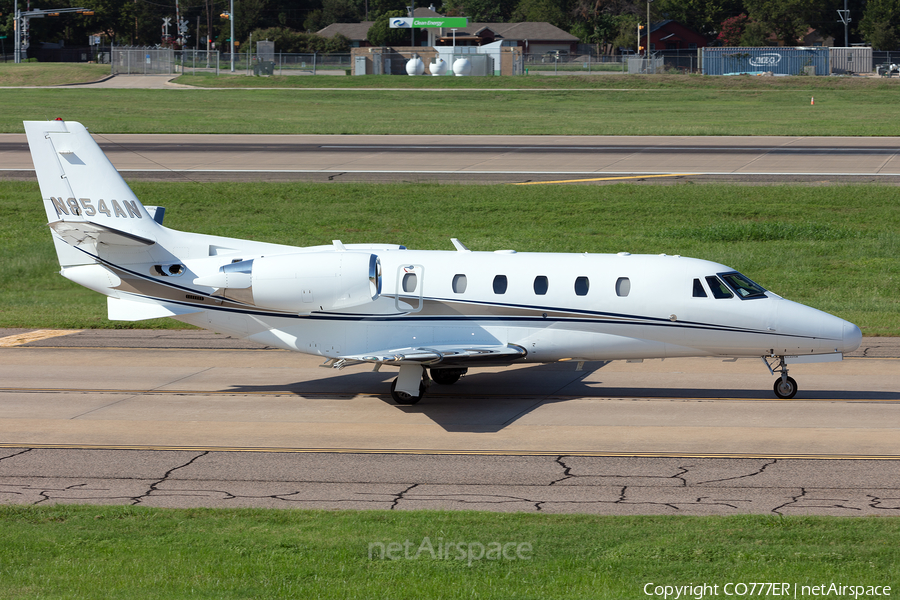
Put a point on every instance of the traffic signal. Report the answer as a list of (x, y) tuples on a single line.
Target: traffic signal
[(640, 27), (640, 49), (225, 15), (86, 12)]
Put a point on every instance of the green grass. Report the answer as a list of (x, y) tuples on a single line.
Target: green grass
[(666, 110), (34, 74), (124, 552), (612, 81), (832, 247)]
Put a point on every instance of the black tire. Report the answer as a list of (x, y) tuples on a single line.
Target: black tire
[(446, 376), (403, 398), (785, 390)]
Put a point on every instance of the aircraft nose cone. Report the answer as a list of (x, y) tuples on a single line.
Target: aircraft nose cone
[(852, 337)]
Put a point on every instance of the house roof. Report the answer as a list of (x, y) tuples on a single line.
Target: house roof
[(354, 31), (532, 31), (521, 31)]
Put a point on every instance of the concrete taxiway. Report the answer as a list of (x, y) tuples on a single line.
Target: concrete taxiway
[(509, 159), (192, 418)]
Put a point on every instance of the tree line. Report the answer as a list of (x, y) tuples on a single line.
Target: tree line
[(609, 23)]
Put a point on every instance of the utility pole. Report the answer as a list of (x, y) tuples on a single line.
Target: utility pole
[(412, 30), (845, 19)]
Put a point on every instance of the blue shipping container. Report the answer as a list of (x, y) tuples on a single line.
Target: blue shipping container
[(755, 61)]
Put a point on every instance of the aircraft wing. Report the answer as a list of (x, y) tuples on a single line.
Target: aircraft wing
[(445, 355)]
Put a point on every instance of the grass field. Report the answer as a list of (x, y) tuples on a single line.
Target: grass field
[(34, 73), (834, 247), (125, 552), (669, 105), (541, 81)]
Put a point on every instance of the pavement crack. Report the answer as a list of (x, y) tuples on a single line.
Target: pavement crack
[(399, 496), (754, 474), (25, 451), (793, 500), (877, 501), (683, 470), (567, 471), (138, 395), (153, 486)]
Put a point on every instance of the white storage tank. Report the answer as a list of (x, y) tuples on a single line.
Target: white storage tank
[(438, 67), (462, 67), (415, 66)]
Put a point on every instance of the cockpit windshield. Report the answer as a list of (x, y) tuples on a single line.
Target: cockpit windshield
[(742, 286)]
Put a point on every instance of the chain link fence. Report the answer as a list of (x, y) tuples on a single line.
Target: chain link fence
[(142, 61), (147, 61)]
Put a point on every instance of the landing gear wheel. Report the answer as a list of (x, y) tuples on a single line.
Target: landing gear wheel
[(447, 376), (785, 388), (403, 397)]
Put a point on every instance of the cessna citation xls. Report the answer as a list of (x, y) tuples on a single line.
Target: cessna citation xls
[(443, 311)]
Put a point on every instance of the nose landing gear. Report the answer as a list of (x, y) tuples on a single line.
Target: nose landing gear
[(785, 387)]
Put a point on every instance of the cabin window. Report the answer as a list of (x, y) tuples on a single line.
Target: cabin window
[(623, 286), (541, 285), (699, 292), (743, 287), (409, 282), (459, 284), (582, 285), (500, 284), (719, 289)]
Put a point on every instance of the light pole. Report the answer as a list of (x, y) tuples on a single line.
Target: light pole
[(648, 32), (17, 39), (231, 20)]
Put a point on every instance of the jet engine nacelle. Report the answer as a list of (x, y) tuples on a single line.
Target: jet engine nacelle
[(302, 282)]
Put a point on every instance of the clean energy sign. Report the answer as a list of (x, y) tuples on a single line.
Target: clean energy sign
[(418, 22)]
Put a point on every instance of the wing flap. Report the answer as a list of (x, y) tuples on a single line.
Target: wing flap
[(120, 309), (443, 354)]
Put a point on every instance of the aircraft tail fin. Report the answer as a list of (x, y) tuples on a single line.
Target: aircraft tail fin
[(83, 190)]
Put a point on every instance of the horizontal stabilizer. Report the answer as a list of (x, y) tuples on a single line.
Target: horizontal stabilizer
[(445, 355), (85, 233), (133, 310)]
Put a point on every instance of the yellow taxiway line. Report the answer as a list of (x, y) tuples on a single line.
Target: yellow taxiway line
[(11, 341), (605, 179)]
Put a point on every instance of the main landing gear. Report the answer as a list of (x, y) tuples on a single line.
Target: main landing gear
[(441, 376), (785, 387)]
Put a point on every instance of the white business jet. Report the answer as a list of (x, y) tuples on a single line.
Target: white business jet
[(422, 311)]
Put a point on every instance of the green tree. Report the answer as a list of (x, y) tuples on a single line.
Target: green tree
[(288, 40), (787, 20), (381, 34), (481, 11), (379, 8), (702, 16), (549, 11), (880, 24)]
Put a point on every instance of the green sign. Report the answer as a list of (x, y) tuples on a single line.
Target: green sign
[(441, 22)]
